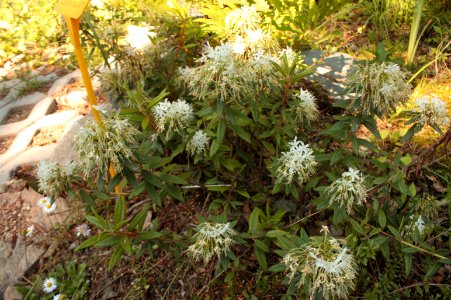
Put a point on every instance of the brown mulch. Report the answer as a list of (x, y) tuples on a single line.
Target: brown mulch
[(47, 136)]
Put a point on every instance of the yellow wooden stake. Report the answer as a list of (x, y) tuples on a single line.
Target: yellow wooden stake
[(72, 11)]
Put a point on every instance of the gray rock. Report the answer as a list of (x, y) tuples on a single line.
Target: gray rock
[(15, 261), (12, 294), (331, 73)]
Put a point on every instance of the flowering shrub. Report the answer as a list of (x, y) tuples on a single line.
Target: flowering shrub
[(232, 130)]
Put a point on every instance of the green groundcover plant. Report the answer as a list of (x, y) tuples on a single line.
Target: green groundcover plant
[(227, 114)]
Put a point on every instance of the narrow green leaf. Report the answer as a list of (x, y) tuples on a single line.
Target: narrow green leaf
[(119, 211), (114, 259)]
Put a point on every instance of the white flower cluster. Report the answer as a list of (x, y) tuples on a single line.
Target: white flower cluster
[(99, 145), (46, 204), (210, 240), (432, 111), (325, 265), (380, 87), (298, 162), (220, 75), (198, 143), (348, 190), (176, 115), (305, 106), (418, 224), (53, 178), (244, 30)]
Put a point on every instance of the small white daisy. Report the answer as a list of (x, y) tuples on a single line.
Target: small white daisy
[(49, 208), (59, 297), (44, 201), (29, 231), (83, 230), (49, 285)]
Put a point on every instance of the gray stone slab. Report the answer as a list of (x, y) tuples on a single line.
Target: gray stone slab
[(24, 138), (331, 72), (24, 101), (32, 155), (59, 84)]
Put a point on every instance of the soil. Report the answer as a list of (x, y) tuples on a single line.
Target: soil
[(47, 136), (5, 143)]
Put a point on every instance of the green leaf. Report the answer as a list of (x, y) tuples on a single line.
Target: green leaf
[(261, 257), (87, 198), (262, 246), (92, 241), (119, 211), (254, 221), (357, 227), (408, 263), (149, 235), (412, 130), (109, 241), (114, 182), (406, 160), (394, 231), (382, 218), (130, 177), (126, 245), (98, 222), (138, 221), (172, 179), (214, 147), (114, 259)]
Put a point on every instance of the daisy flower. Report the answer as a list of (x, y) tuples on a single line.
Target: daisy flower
[(49, 285), (44, 201), (29, 231), (83, 230), (49, 208), (59, 297)]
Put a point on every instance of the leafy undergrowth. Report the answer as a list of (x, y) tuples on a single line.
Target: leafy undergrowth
[(222, 173)]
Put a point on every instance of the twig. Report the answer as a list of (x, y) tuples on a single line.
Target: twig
[(172, 281), (420, 284), (205, 286)]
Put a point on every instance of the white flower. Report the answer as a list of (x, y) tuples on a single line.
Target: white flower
[(83, 230), (210, 240), (392, 69), (305, 106), (289, 53), (49, 208), (29, 231), (299, 161), (387, 89), (53, 178), (254, 36), (49, 285), (98, 146), (239, 47), (323, 264), (177, 114), (59, 297), (347, 190), (44, 201), (139, 37), (419, 224), (432, 111), (379, 87), (198, 143)]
